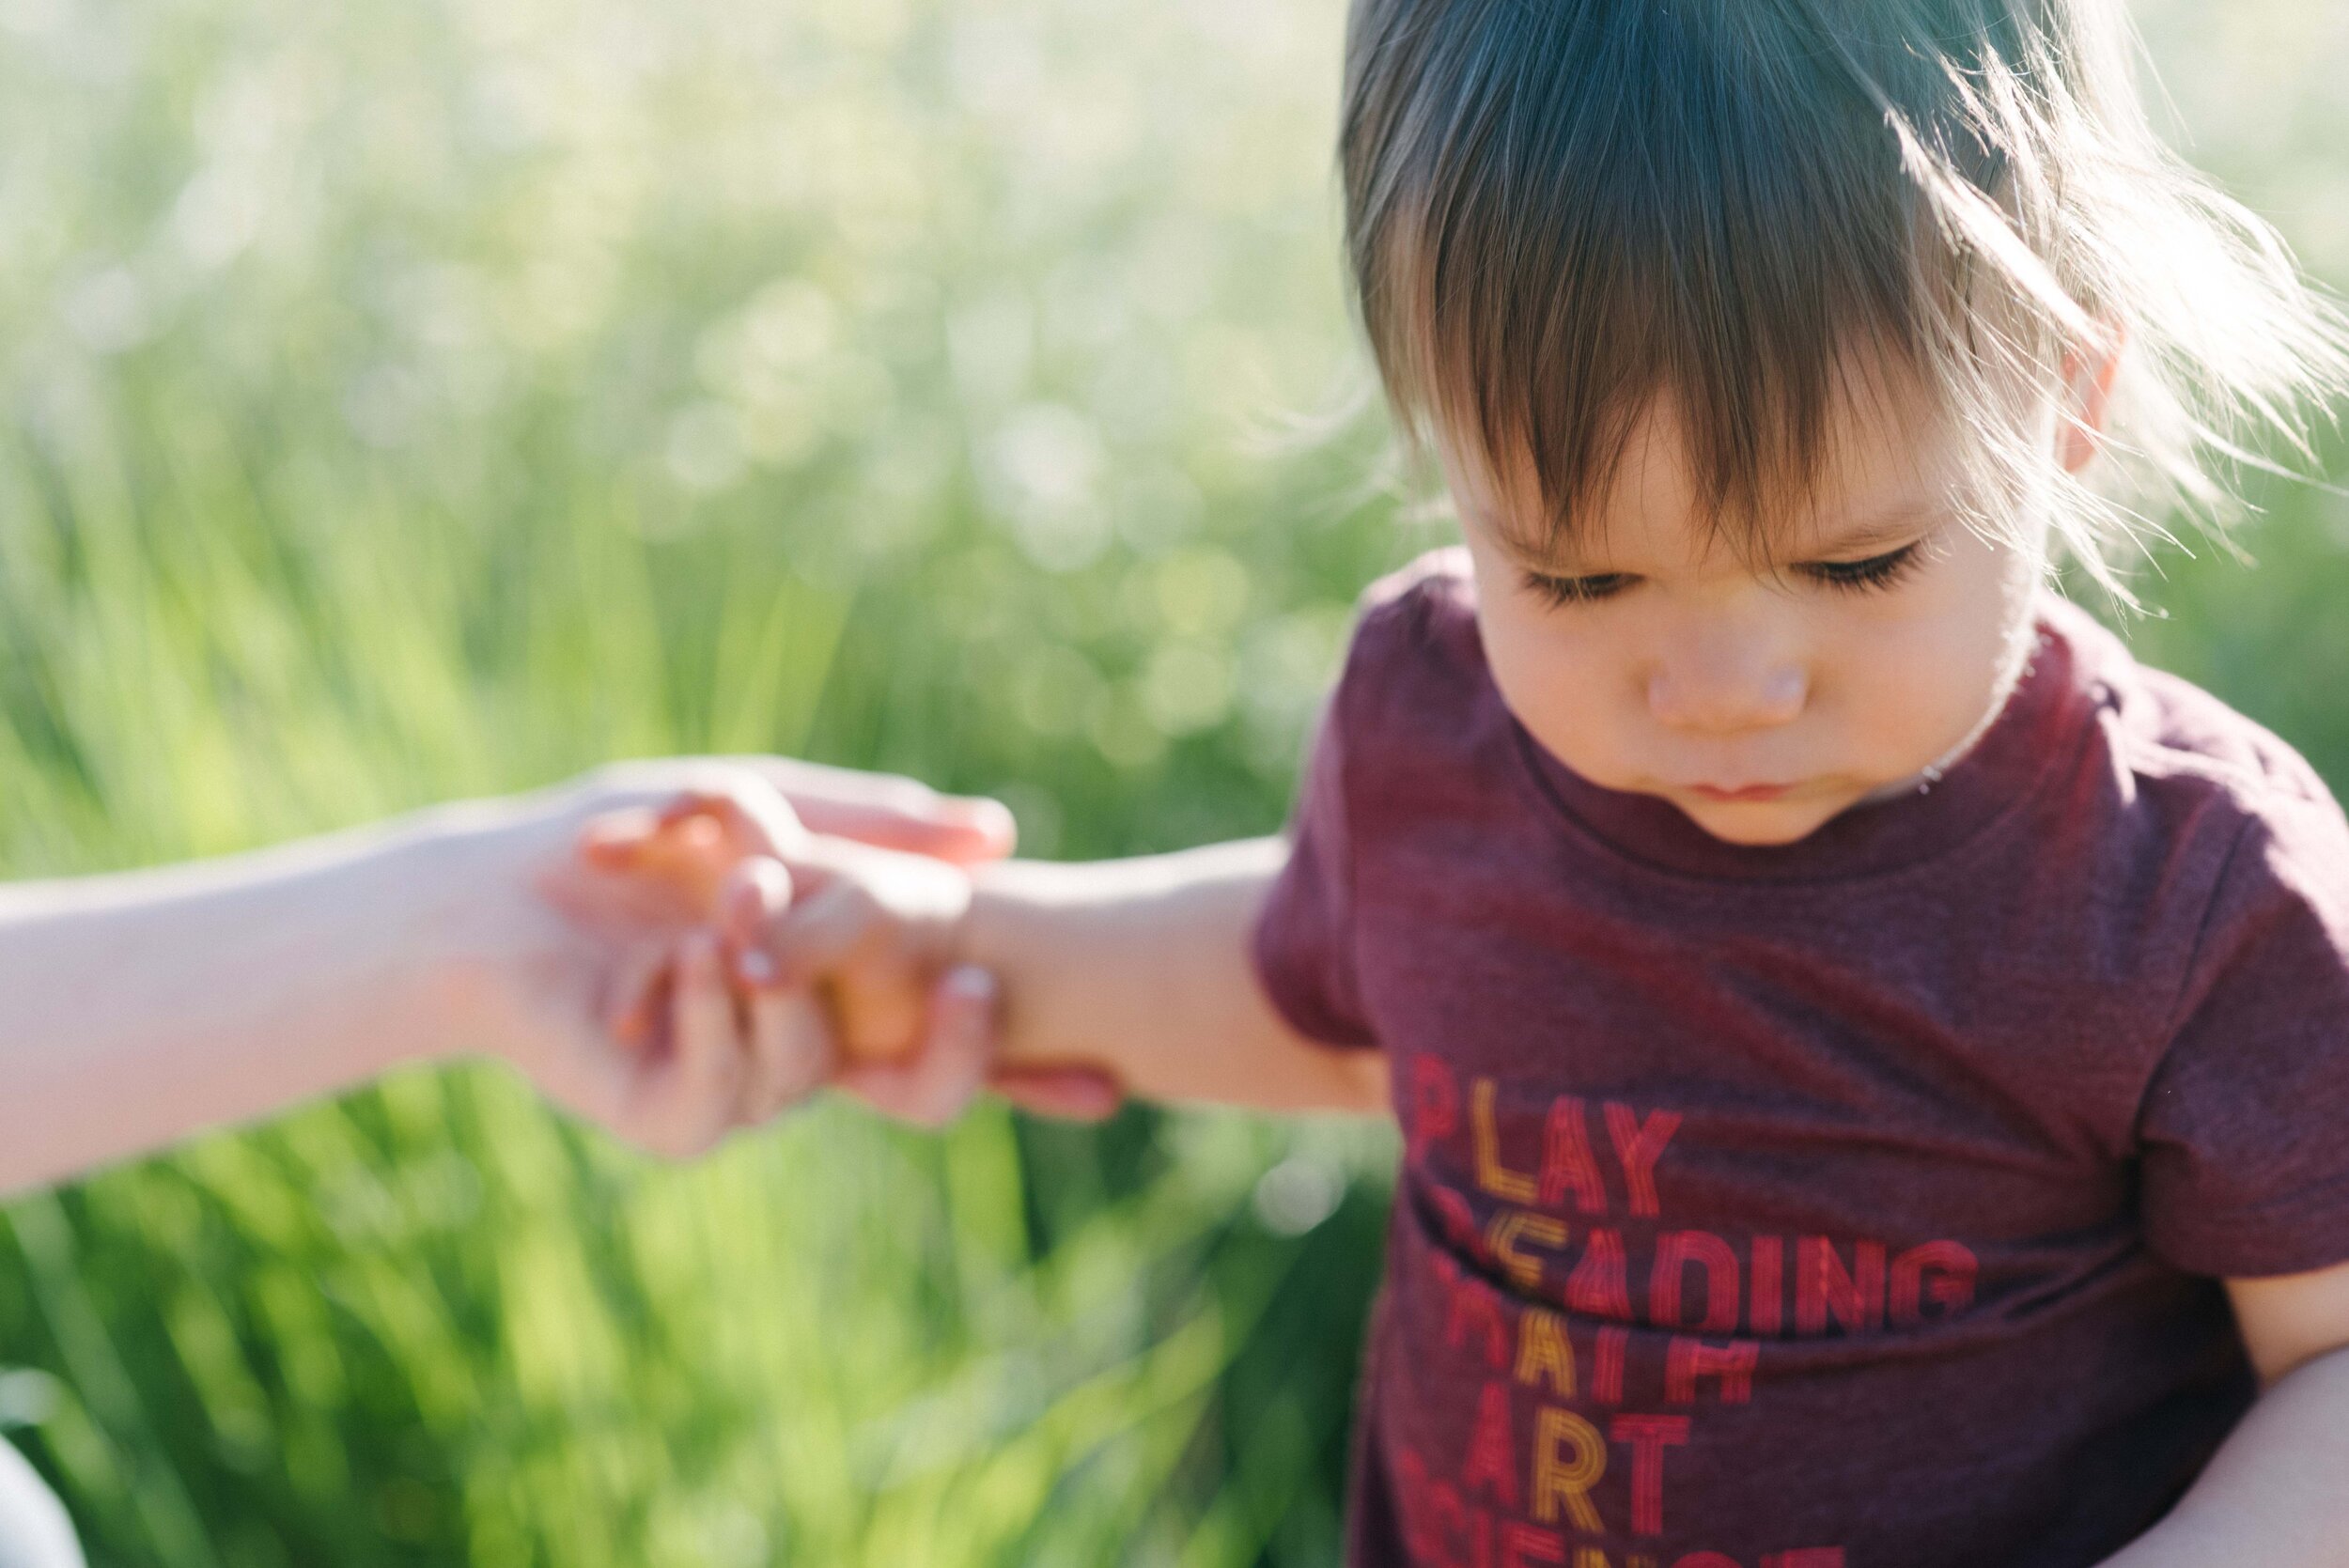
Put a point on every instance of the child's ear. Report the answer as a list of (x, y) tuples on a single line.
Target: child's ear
[(2089, 371)]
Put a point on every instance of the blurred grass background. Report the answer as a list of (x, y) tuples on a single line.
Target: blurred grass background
[(406, 402)]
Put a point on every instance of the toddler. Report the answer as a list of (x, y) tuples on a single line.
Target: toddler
[(1871, 1056)]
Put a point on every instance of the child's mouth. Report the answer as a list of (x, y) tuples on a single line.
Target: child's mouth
[(1744, 792)]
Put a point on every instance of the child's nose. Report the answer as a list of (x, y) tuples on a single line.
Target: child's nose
[(1715, 690)]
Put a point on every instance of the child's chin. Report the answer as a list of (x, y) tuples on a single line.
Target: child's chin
[(1759, 824)]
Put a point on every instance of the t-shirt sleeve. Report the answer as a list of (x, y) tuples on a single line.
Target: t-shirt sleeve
[(2244, 1135), (1302, 946)]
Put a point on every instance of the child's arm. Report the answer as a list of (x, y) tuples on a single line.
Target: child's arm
[(1141, 964), (1139, 967), (2277, 1491)]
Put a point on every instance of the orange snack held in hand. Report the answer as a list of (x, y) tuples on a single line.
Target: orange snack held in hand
[(693, 855), (685, 850)]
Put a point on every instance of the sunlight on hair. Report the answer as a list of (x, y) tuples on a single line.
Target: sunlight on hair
[(1554, 214)]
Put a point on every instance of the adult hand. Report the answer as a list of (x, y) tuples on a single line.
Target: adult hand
[(740, 862), (139, 1007), (887, 809), (584, 976)]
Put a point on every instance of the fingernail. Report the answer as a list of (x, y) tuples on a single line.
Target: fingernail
[(991, 823), (759, 881), (755, 967), (988, 812)]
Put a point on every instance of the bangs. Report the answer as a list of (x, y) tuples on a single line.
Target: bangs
[(1559, 213), (1771, 213)]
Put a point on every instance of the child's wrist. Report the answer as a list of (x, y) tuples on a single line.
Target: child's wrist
[(971, 937), (1019, 928)]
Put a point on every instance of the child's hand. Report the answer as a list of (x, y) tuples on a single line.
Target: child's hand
[(880, 934), (872, 933)]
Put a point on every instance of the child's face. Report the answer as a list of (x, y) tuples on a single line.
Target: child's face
[(1761, 703)]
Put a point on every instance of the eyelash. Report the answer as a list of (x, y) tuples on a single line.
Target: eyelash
[(1876, 573), (1562, 590)]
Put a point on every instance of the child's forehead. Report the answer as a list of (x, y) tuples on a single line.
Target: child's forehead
[(1882, 470)]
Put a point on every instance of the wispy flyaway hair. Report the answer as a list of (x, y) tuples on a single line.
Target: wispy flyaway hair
[(1559, 210)]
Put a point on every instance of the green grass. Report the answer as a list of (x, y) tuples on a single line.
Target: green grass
[(411, 401), (431, 1324)]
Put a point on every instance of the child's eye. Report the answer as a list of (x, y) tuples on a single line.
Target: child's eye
[(1579, 590), (1876, 571)]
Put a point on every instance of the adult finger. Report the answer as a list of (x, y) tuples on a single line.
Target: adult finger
[(753, 899), (791, 1044), (757, 820), (638, 999), (696, 1090), (612, 840), (748, 813), (890, 810), (792, 1051)]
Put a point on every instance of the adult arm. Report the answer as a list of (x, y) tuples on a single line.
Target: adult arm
[(2278, 1490), (139, 1007)]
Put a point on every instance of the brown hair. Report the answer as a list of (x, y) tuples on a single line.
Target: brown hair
[(1557, 211)]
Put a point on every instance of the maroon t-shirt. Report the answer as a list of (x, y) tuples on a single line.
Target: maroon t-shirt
[(1859, 1202)]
